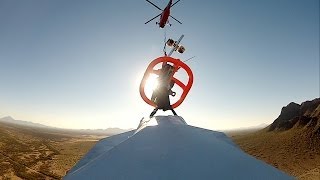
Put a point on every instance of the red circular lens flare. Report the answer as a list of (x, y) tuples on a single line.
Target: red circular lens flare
[(177, 64)]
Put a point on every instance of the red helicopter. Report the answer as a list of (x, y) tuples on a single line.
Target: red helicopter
[(164, 15)]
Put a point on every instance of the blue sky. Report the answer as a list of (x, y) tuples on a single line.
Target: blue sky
[(78, 64)]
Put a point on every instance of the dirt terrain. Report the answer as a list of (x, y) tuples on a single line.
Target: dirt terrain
[(288, 151), (40, 153)]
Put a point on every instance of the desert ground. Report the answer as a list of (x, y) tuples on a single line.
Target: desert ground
[(48, 153), (40, 153), (289, 151)]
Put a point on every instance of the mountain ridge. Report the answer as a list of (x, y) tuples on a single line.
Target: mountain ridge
[(305, 115), (107, 131), (291, 143)]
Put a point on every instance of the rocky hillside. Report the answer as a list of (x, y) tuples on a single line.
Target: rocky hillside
[(291, 143), (306, 116)]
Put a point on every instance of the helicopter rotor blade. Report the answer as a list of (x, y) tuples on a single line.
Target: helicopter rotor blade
[(176, 19), (152, 18), (175, 3), (154, 5), (189, 59)]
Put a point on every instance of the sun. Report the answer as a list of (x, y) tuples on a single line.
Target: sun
[(151, 84)]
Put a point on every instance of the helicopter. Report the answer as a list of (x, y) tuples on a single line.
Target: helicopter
[(164, 15)]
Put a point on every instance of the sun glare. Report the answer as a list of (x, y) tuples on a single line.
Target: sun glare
[(151, 84)]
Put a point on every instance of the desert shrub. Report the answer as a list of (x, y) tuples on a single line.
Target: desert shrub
[(4, 167)]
